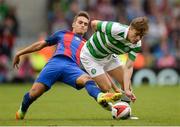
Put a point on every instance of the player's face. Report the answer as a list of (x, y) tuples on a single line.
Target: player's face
[(80, 25), (134, 36)]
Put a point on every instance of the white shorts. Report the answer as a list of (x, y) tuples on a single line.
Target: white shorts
[(95, 66)]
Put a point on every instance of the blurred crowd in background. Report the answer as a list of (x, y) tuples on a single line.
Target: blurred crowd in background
[(160, 48)]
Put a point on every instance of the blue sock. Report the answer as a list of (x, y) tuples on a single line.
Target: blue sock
[(27, 101), (92, 89)]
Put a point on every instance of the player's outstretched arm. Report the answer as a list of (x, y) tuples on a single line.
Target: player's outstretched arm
[(128, 70), (31, 48)]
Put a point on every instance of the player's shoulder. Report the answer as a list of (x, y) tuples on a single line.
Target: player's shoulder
[(60, 31), (118, 24), (118, 28)]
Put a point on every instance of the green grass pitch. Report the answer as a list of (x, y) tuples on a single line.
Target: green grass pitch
[(63, 105)]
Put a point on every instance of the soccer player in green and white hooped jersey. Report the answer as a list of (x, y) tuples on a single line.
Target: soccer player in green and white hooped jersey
[(99, 54)]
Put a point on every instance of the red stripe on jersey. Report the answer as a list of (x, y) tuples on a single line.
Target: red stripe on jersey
[(68, 37), (79, 50)]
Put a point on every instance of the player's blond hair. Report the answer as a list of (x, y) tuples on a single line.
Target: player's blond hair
[(140, 24)]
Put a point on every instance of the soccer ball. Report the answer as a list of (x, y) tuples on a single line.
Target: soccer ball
[(121, 110)]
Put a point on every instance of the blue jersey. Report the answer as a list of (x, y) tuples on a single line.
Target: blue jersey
[(68, 44)]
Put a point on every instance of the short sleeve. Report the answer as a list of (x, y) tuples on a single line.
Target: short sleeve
[(112, 28), (54, 38), (132, 55)]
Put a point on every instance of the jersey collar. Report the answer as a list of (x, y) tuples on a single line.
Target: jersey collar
[(126, 32)]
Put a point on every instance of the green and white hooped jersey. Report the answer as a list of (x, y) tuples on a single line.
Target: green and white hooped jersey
[(110, 38)]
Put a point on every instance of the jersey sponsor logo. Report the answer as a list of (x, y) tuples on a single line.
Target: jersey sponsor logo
[(93, 71), (78, 39)]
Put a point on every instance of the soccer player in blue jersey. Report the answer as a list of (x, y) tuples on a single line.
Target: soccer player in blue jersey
[(63, 66)]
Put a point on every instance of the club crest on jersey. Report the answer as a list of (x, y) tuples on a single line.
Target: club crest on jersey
[(93, 71), (76, 38)]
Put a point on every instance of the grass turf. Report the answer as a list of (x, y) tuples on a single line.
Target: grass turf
[(63, 105)]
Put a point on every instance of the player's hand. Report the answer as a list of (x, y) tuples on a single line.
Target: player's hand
[(16, 61), (131, 95)]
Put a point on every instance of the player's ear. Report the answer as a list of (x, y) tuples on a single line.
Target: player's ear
[(73, 24)]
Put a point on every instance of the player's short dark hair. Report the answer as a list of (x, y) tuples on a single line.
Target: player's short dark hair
[(140, 24), (82, 13)]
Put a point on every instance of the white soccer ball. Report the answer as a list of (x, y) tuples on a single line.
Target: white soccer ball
[(121, 110)]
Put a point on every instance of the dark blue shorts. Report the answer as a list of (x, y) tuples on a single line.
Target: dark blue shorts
[(60, 68)]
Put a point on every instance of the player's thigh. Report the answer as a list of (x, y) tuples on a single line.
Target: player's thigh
[(51, 72), (115, 68), (37, 89), (81, 80), (71, 76), (96, 70), (103, 82), (117, 74)]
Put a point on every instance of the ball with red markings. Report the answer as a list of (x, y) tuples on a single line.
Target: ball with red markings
[(121, 110)]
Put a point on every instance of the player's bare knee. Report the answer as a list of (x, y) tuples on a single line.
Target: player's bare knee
[(105, 88), (87, 78), (35, 93), (37, 90), (83, 79)]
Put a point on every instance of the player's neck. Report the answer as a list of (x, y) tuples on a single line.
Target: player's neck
[(78, 34)]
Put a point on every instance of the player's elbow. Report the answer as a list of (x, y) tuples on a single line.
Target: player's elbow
[(40, 45), (94, 24)]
